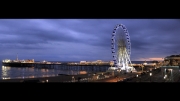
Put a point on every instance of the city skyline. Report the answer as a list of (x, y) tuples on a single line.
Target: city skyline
[(86, 39)]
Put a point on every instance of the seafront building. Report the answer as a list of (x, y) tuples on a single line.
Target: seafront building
[(170, 67), (173, 60), (95, 62)]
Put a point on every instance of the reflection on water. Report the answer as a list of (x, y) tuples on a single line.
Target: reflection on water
[(6, 78), (5, 70), (8, 72)]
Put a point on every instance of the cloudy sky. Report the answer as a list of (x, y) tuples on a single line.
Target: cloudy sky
[(86, 39)]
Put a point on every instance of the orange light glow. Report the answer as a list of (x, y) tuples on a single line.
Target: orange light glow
[(151, 59), (158, 59)]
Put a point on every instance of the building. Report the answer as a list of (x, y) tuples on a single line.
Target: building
[(6, 61), (97, 62), (173, 60), (82, 62)]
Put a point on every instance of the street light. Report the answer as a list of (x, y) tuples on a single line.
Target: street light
[(150, 69), (150, 75), (73, 79), (171, 74), (119, 73), (102, 76), (94, 77), (89, 76), (165, 76), (139, 77)]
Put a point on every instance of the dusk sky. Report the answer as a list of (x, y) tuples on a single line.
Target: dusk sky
[(86, 39)]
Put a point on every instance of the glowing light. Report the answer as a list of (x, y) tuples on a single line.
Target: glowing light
[(6, 60), (150, 74), (6, 78), (151, 59)]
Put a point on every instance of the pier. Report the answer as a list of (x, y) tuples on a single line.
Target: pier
[(62, 66), (90, 66)]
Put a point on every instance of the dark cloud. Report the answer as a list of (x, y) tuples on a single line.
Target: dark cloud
[(86, 39)]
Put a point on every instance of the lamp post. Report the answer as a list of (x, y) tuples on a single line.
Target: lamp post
[(171, 75), (137, 76), (94, 77), (89, 77), (102, 76), (150, 69), (73, 79), (150, 76), (119, 73), (165, 76)]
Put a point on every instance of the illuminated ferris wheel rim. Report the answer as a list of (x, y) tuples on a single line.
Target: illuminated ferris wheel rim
[(113, 43)]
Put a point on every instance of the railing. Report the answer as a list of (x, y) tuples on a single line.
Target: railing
[(88, 79)]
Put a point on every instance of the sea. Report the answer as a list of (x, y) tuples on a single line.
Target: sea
[(8, 72)]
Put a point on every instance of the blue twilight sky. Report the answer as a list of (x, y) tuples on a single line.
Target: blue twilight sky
[(86, 39)]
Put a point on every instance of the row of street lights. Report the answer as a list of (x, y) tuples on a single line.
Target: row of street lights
[(150, 74)]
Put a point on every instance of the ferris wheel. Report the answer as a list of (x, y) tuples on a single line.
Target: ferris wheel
[(121, 47)]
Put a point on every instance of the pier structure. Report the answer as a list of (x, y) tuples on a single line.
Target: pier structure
[(102, 66)]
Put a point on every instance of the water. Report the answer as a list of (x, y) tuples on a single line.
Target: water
[(8, 72)]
